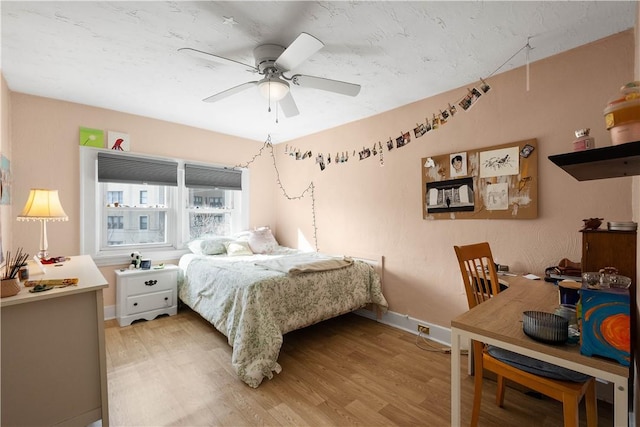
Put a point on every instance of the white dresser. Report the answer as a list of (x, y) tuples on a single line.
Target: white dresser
[(53, 350), (146, 294)]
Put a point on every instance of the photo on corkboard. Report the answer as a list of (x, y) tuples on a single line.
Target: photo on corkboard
[(455, 195)]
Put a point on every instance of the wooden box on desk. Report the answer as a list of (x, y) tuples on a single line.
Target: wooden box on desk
[(606, 324)]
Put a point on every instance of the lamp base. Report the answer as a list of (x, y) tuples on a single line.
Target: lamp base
[(43, 254)]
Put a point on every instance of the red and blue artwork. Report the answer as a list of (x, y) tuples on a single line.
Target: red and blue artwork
[(606, 324)]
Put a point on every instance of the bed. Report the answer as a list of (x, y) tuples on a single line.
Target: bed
[(256, 298)]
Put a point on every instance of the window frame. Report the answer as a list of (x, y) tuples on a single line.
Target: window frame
[(91, 212)]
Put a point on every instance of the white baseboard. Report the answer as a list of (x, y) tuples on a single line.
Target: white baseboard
[(406, 323), (109, 312)]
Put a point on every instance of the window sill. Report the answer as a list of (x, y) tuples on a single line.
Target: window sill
[(105, 260)]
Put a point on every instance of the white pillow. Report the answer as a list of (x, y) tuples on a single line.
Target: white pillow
[(209, 245), (238, 248), (261, 241)]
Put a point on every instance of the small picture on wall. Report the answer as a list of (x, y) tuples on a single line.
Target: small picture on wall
[(458, 163), (484, 86), (526, 150), (470, 99), (502, 162), (403, 140), (5, 181), (91, 137), (454, 195), (118, 141), (419, 130), (497, 197)]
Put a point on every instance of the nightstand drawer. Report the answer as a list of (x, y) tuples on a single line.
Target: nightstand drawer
[(148, 302), (143, 284)]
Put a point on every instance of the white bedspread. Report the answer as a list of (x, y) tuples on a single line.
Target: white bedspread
[(254, 306)]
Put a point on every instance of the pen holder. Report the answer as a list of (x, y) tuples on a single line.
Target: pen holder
[(9, 287)]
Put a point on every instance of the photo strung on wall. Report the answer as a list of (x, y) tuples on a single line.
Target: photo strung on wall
[(5, 180), (116, 141), (497, 182), (431, 124)]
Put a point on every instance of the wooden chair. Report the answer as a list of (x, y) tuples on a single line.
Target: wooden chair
[(481, 283)]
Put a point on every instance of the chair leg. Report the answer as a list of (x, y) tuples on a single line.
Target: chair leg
[(500, 392), (591, 403), (477, 397), (570, 410)]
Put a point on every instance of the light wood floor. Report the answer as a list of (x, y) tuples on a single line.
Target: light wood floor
[(348, 371)]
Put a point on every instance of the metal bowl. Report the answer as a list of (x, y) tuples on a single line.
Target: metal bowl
[(545, 327)]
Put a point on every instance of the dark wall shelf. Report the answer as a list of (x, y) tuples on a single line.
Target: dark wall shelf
[(599, 163)]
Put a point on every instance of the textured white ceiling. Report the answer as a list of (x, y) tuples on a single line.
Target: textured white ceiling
[(123, 55)]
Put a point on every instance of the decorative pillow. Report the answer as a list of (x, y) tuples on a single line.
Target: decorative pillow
[(238, 248), (261, 241), (209, 245)]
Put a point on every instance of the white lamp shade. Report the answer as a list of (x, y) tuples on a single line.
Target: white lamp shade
[(43, 204), (274, 89)]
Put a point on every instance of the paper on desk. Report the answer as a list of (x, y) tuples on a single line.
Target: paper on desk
[(531, 277)]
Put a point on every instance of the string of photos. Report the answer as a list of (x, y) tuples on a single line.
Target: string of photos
[(432, 123), (309, 190)]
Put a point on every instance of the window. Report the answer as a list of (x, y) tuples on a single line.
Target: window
[(214, 185), (114, 197), (161, 204), (115, 222), (144, 222)]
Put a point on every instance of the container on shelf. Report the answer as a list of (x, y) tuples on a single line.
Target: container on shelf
[(622, 114), (584, 141)]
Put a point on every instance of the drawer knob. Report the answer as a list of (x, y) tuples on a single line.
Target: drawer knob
[(135, 304), (150, 282), (166, 298)]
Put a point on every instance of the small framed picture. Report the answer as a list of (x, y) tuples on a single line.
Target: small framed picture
[(91, 137), (458, 164), (118, 141), (526, 151)]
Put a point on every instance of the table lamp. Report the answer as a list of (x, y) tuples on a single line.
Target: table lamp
[(43, 205)]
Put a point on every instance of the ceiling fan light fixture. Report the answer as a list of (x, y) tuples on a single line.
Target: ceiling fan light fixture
[(273, 89)]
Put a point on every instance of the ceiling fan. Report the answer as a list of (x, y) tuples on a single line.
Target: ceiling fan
[(272, 61)]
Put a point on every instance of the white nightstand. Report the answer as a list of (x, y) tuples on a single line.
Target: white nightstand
[(146, 294)]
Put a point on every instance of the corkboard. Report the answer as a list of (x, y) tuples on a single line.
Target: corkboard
[(497, 182)]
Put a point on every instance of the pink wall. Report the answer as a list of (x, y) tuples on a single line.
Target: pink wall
[(46, 155), (364, 208)]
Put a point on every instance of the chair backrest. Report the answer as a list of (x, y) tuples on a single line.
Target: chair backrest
[(478, 272)]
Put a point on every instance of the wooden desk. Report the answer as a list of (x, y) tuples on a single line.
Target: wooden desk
[(53, 350), (499, 322)]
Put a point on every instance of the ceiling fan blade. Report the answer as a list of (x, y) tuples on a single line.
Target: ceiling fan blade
[(299, 51), (288, 105), (211, 57), (336, 86), (226, 93)]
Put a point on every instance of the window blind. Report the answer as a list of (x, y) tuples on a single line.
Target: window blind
[(199, 176), (136, 170)]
